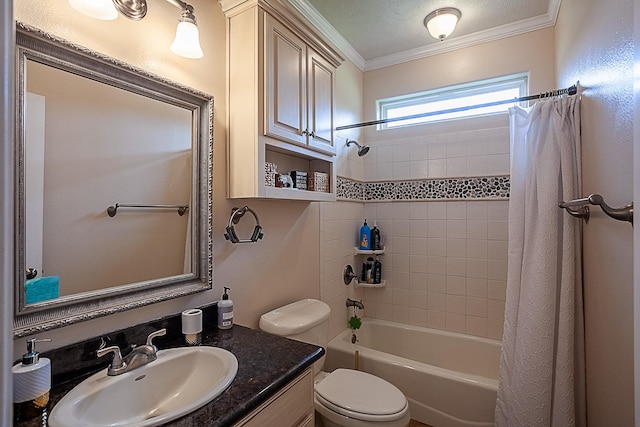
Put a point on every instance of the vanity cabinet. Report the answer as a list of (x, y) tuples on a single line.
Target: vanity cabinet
[(290, 407), (280, 100)]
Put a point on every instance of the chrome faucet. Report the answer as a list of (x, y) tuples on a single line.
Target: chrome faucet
[(139, 356), (353, 303)]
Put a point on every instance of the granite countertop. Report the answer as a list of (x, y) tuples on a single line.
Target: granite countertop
[(265, 364)]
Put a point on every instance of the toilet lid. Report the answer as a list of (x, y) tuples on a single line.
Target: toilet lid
[(360, 393)]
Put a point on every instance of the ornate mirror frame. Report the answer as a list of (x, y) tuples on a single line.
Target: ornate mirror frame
[(34, 44)]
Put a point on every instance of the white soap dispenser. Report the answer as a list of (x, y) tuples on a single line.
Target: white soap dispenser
[(225, 311), (31, 383)]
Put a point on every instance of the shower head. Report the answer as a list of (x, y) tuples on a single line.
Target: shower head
[(362, 149)]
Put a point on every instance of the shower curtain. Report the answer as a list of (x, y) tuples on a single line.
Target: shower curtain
[(541, 380)]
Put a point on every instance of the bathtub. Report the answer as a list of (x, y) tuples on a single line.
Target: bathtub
[(450, 379)]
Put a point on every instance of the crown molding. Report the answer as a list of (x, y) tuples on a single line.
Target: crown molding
[(328, 31), (451, 44)]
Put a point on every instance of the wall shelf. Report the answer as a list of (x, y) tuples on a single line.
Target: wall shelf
[(382, 284), (358, 251)]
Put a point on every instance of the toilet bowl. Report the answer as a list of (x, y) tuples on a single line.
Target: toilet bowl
[(344, 397)]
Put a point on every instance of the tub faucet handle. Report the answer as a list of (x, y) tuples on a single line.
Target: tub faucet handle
[(356, 304)]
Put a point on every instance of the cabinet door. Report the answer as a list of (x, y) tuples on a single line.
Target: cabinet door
[(320, 75), (286, 116), (291, 407)]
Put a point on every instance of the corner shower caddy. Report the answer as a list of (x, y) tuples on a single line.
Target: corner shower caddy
[(358, 251)]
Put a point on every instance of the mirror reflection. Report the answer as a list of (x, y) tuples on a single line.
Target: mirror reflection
[(89, 146), (94, 133)]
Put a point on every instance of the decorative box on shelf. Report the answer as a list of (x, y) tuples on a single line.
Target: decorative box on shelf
[(299, 179), (318, 181), (270, 172)]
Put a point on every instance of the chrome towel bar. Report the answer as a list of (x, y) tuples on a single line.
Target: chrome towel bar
[(579, 208), (113, 210)]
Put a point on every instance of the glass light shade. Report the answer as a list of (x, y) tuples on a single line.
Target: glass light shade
[(442, 22), (187, 41), (98, 9)]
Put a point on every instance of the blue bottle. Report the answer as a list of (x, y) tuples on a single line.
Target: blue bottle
[(365, 236)]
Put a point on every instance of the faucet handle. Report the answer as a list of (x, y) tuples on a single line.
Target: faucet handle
[(117, 365), (153, 335)]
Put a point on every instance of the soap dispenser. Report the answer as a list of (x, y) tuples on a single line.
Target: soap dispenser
[(225, 311), (31, 383)]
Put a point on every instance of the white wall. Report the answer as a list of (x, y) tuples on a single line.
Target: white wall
[(349, 94), (284, 266), (636, 199), (532, 52), (594, 44)]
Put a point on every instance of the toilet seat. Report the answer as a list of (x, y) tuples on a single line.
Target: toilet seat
[(360, 395)]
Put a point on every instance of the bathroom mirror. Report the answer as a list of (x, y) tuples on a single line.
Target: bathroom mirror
[(113, 185)]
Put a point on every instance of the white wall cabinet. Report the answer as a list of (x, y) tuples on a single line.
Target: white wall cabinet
[(280, 99), (300, 86), (290, 407)]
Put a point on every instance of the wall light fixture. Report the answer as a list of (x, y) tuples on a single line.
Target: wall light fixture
[(187, 40), (442, 22)]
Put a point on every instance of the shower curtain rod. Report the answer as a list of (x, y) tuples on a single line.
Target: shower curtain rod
[(572, 90)]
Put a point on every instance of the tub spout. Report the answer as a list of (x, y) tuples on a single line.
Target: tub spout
[(353, 303)]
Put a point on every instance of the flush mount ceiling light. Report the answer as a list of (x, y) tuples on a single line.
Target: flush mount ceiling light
[(442, 22), (187, 40)]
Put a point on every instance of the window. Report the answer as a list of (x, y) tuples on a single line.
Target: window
[(458, 96)]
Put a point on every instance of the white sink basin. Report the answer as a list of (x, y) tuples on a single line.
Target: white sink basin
[(180, 381)]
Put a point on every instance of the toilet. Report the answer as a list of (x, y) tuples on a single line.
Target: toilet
[(344, 397)]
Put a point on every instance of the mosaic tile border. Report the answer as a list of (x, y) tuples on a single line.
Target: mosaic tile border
[(484, 187)]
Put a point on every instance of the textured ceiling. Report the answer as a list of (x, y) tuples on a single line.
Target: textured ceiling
[(379, 28)]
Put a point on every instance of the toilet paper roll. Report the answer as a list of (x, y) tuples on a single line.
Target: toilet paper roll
[(192, 321)]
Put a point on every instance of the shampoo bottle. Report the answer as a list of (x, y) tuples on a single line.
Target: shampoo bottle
[(365, 236), (225, 311), (377, 271), (369, 272), (31, 383), (376, 244)]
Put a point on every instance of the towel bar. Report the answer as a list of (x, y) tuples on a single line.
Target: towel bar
[(113, 210), (578, 208)]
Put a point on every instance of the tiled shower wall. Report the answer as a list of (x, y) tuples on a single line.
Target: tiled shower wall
[(469, 153), (445, 265), (339, 225), (446, 258)]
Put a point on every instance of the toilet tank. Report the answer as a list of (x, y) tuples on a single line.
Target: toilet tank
[(306, 320)]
